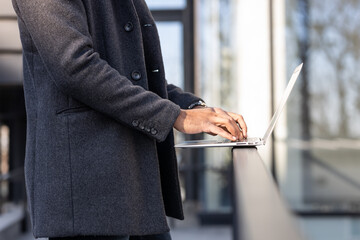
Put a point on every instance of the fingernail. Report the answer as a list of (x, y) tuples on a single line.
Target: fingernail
[(234, 138)]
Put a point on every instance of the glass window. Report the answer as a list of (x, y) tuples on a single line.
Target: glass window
[(171, 38), (217, 78), (166, 4), (324, 113), (320, 173)]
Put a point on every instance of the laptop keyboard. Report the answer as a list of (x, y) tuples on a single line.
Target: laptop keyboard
[(249, 140)]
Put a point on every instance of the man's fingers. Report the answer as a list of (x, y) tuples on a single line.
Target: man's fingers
[(213, 129), (231, 123), (213, 121), (240, 120), (227, 122)]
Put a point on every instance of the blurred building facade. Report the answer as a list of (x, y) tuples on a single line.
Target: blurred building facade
[(239, 54), (12, 127)]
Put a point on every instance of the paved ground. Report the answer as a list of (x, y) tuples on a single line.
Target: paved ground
[(197, 233), (203, 233)]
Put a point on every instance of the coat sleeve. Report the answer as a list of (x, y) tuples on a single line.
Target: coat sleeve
[(181, 98), (60, 34)]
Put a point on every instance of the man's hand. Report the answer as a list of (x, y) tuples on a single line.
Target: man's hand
[(214, 121)]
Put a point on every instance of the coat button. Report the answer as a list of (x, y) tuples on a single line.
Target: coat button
[(129, 27), (141, 126), (147, 129), (135, 123), (135, 75), (154, 131)]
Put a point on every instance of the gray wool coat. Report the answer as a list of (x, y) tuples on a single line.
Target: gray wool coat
[(99, 155)]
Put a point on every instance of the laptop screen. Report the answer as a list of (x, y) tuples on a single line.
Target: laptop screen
[(283, 101)]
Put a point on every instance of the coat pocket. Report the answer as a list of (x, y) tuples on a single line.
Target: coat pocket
[(73, 110)]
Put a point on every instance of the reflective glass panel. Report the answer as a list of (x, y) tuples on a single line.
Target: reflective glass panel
[(324, 113), (217, 79), (318, 164), (166, 4), (171, 37)]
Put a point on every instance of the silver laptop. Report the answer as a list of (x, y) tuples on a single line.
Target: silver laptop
[(252, 141)]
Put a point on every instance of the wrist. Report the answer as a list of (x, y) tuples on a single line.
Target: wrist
[(178, 125)]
